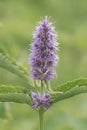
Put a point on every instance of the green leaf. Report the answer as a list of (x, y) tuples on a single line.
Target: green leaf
[(15, 97), (70, 89), (10, 65), (12, 89), (14, 94)]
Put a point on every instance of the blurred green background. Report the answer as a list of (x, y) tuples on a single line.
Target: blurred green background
[(18, 19)]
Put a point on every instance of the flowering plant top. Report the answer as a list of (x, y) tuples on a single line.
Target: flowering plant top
[(43, 61), (43, 58)]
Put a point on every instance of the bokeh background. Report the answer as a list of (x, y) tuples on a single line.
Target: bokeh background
[(18, 19)]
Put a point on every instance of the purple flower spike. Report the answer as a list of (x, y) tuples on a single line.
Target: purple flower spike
[(44, 101), (43, 58)]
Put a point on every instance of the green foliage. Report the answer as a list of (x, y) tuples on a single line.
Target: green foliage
[(17, 22), (70, 89), (21, 94), (15, 97), (12, 89), (10, 65), (14, 94)]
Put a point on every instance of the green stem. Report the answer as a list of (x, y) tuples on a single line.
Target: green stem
[(41, 114), (42, 87)]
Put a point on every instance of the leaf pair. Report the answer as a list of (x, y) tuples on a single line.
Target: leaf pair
[(14, 93), (21, 94), (70, 89)]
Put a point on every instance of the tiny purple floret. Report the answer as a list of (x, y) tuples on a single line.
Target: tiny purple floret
[(39, 100), (43, 58)]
